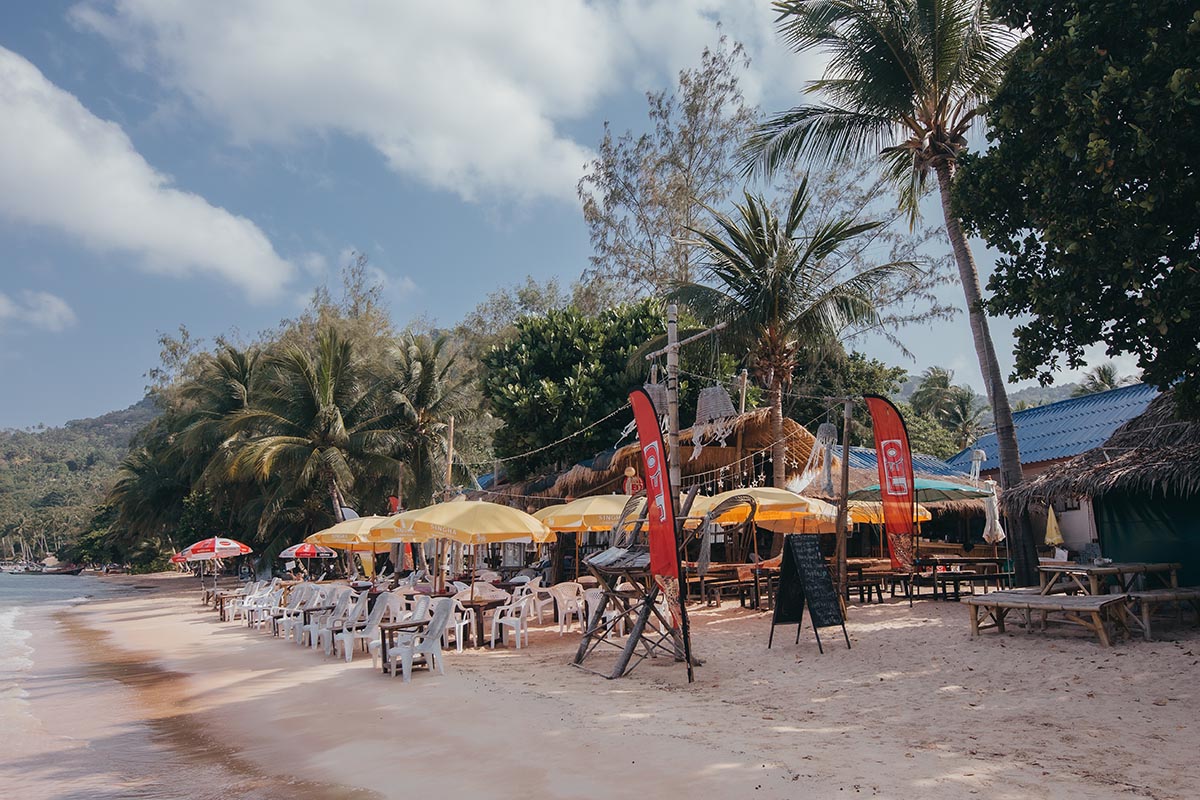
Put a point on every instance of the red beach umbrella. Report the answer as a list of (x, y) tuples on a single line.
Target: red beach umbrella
[(214, 547), (306, 550), (178, 558)]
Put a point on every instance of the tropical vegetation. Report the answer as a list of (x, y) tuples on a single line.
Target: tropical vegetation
[(1090, 186), (905, 80), (774, 284)]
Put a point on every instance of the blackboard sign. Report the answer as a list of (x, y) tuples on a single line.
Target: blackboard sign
[(804, 580)]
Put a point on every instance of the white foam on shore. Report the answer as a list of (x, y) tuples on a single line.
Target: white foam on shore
[(16, 660)]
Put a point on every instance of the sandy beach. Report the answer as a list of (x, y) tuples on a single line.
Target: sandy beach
[(916, 708)]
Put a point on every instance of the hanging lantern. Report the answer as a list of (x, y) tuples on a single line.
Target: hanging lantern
[(715, 416), (658, 396)]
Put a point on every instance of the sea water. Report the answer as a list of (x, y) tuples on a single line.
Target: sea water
[(74, 726)]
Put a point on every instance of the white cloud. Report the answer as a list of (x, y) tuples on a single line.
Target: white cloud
[(66, 169), (469, 97), (41, 310)]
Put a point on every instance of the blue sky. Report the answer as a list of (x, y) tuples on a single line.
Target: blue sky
[(210, 163)]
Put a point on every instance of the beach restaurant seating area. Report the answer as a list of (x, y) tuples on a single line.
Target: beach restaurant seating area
[(409, 623)]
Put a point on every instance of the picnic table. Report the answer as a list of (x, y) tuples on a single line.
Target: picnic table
[(1055, 576), (1089, 611)]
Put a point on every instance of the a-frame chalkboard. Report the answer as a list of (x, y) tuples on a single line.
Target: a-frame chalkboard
[(804, 580)]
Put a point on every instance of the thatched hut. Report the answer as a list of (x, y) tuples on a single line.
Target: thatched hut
[(1142, 484), (744, 459)]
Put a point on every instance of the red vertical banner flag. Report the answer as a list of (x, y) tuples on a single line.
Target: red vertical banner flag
[(896, 488), (660, 505)]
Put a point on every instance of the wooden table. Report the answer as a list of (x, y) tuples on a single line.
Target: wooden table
[(221, 598), (387, 637), (1088, 611), (480, 605), (1053, 576)]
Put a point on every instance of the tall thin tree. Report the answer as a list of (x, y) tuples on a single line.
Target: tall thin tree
[(906, 80)]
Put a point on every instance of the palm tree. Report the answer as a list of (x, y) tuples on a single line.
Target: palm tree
[(933, 394), (319, 426), (963, 416), (776, 290), (1101, 378), (147, 498), (905, 80), (426, 391)]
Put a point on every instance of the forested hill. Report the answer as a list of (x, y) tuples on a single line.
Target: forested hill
[(52, 478)]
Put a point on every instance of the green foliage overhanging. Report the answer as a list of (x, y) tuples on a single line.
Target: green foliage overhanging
[(561, 372), (1091, 187)]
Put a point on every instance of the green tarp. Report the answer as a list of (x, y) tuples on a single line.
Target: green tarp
[(1151, 528)]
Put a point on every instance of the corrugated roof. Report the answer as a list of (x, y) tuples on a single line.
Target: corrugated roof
[(1066, 428), (864, 458)]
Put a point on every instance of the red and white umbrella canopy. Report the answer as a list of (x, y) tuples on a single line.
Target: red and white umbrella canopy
[(178, 558), (213, 548), (306, 550)]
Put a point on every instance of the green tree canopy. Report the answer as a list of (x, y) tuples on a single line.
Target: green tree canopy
[(1091, 187), (561, 372)]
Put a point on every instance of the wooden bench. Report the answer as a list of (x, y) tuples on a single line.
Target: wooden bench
[(985, 579), (1088, 611), (1146, 600), (866, 584)]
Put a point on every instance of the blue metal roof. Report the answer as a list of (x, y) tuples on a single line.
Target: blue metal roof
[(1066, 428), (864, 458)]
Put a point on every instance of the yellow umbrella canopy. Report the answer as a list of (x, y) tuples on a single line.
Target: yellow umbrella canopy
[(350, 534), (464, 521), (542, 513), (774, 505), (597, 513), (871, 511), (1053, 532)]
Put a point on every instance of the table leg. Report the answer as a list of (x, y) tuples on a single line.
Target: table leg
[(478, 628), (1094, 582), (383, 649), (1101, 631), (974, 620)]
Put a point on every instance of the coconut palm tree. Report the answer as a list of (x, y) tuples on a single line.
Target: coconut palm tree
[(318, 426), (933, 394), (905, 81), (1101, 378), (963, 416), (775, 286), (425, 390)]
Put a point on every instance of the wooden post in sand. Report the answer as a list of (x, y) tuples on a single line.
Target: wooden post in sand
[(843, 506)]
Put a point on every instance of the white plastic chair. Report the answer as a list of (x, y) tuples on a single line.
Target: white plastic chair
[(292, 618), (540, 597), (591, 600), (386, 607), (569, 597), (355, 614), (425, 642), (461, 621), (341, 598), (418, 610), (515, 615)]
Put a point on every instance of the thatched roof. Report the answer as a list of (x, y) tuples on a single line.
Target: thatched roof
[(607, 470), (1154, 452)]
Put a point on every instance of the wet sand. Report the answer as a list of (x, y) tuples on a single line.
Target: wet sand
[(916, 708)]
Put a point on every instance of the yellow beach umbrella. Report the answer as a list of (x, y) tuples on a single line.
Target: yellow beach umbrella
[(350, 534), (1053, 534), (464, 521), (596, 513), (542, 513), (871, 512), (774, 505)]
